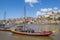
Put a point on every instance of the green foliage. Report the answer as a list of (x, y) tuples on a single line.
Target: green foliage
[(58, 18), (48, 18)]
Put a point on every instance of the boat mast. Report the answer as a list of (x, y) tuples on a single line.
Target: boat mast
[(5, 18), (5, 15), (24, 17)]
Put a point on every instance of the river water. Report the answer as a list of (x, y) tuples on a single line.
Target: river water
[(10, 36)]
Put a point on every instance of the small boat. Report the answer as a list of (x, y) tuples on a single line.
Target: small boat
[(3, 29), (30, 32), (44, 33)]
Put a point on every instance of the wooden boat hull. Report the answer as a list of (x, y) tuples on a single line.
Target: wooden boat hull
[(34, 34), (4, 30)]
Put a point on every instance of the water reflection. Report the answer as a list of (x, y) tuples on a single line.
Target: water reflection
[(24, 37), (11, 36)]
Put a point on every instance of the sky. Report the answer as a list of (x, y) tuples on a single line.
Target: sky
[(15, 8)]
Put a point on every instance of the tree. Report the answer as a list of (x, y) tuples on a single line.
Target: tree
[(48, 18), (59, 18)]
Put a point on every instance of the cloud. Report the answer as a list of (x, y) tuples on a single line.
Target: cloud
[(38, 13), (31, 2), (55, 11), (55, 8), (43, 11), (50, 9), (59, 11)]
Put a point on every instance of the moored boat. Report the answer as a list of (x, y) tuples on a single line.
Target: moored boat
[(3, 29), (30, 32), (45, 33)]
